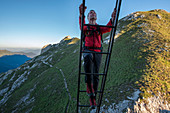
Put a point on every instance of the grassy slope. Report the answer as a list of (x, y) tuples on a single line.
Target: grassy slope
[(140, 59), (50, 93), (137, 62), (156, 77)]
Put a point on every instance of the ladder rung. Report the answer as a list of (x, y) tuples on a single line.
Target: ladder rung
[(95, 52), (86, 105), (93, 73), (85, 91), (99, 25)]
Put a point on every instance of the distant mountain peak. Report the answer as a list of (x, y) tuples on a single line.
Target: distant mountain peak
[(6, 52), (46, 46), (138, 72), (74, 40), (68, 40), (67, 37)]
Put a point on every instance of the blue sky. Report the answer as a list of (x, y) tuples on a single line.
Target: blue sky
[(35, 23)]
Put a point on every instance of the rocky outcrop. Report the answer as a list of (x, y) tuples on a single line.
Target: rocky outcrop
[(44, 87), (70, 40), (134, 104), (15, 85), (158, 16), (74, 41), (122, 105), (155, 104), (134, 16), (45, 48), (66, 39)]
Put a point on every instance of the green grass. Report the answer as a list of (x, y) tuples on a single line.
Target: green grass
[(140, 60)]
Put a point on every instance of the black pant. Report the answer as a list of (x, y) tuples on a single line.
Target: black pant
[(92, 63)]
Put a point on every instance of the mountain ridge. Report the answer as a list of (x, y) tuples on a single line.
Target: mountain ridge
[(6, 52), (137, 79)]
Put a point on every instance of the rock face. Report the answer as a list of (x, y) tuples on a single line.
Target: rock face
[(139, 65), (133, 16), (155, 104), (66, 39), (159, 16), (35, 69), (45, 48)]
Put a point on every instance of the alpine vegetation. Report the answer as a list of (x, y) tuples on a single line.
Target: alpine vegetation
[(137, 80)]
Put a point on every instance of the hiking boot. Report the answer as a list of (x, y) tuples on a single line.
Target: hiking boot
[(92, 107)]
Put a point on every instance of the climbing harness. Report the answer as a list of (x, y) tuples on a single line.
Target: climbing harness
[(90, 32)]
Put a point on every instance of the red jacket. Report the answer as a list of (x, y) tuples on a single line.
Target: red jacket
[(95, 39)]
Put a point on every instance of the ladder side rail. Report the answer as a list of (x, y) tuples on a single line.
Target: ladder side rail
[(113, 35), (107, 55), (104, 71), (108, 61), (82, 26), (104, 77), (110, 36), (113, 24)]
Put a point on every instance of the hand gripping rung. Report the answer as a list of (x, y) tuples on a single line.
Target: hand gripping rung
[(99, 25)]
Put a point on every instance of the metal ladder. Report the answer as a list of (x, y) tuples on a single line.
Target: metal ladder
[(108, 56)]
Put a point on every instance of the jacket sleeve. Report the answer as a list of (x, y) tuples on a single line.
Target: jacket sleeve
[(106, 29), (85, 27)]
